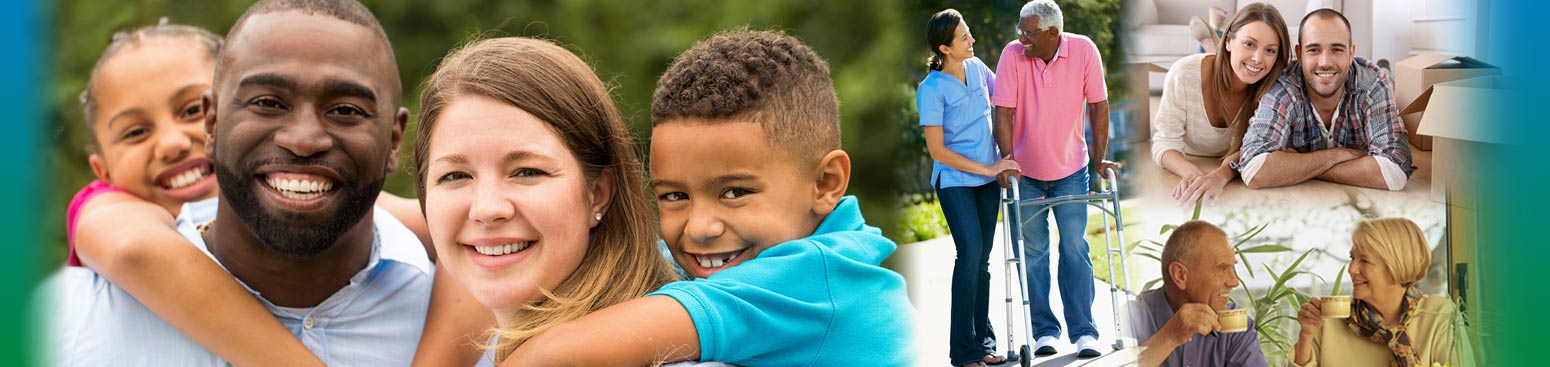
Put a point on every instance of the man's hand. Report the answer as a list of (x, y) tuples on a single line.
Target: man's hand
[(1190, 320), (1007, 179), (1006, 171), (1103, 167)]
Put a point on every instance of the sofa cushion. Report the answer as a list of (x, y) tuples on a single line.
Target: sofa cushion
[(1142, 12)]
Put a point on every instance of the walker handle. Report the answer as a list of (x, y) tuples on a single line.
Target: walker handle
[(1111, 183)]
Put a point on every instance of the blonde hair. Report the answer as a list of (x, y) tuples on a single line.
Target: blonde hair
[(622, 261), (1399, 242)]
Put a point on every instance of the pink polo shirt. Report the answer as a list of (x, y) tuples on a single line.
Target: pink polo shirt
[(1051, 104)]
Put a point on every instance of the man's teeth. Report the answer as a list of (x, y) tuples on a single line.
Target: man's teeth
[(499, 250), (300, 189), (187, 178), (715, 261)]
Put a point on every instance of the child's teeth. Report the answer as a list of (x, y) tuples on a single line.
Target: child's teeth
[(185, 179), (710, 263)]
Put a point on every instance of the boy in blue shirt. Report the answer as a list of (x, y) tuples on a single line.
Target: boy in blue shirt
[(750, 182)]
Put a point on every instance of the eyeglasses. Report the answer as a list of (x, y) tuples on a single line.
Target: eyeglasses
[(1026, 34)]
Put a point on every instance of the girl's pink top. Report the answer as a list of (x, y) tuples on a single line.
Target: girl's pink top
[(96, 187)]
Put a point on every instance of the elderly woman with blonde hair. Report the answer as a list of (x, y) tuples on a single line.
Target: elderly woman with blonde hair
[(1391, 323)]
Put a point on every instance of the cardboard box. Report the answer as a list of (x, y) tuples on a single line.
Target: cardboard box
[(1456, 116), (1453, 116), (1412, 76)]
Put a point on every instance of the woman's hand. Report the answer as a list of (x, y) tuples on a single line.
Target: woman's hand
[(1005, 171), (1206, 186), (1311, 318), (1174, 162)]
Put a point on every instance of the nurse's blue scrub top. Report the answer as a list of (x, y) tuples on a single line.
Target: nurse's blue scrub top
[(963, 110)]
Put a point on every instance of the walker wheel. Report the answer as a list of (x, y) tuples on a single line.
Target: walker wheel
[(1027, 357)]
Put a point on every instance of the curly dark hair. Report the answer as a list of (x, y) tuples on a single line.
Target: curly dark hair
[(767, 77)]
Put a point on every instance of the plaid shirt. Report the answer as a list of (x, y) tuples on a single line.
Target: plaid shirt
[(1366, 120)]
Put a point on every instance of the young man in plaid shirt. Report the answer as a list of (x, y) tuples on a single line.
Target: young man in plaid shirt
[(1331, 116)]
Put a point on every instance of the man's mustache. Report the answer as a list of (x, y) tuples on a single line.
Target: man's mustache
[(293, 160)]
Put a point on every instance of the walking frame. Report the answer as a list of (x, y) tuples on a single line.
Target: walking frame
[(1107, 201)]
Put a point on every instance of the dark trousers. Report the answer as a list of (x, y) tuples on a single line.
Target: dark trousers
[(971, 216)]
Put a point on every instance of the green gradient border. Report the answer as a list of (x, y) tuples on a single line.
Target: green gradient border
[(1512, 249), (21, 92)]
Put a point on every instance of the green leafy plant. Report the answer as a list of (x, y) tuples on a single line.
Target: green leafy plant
[(1335, 291)]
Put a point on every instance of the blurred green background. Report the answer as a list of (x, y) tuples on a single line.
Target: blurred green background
[(629, 44)]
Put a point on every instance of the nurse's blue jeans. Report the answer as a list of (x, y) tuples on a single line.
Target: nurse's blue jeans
[(971, 216)]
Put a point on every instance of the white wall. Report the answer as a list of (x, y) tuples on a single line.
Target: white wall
[(1445, 26), (1401, 28)]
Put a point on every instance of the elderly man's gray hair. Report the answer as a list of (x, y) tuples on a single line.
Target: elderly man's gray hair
[(1048, 13)]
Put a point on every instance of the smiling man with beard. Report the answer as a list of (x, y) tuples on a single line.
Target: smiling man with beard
[(1331, 116), (304, 123)]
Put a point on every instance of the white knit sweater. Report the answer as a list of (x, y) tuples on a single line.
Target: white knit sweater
[(1181, 124)]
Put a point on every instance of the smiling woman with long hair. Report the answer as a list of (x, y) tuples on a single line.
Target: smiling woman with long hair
[(531, 186), (1208, 98)]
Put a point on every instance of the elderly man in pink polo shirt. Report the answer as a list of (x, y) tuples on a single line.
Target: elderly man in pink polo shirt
[(1048, 79)]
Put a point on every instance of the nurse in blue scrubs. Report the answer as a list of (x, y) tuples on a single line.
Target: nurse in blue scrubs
[(955, 111)]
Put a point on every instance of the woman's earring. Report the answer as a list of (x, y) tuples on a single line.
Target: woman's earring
[(598, 216)]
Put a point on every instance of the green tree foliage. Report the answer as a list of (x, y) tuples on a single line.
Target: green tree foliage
[(629, 44)]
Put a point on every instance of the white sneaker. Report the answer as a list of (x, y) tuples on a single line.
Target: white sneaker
[(1087, 347), (1045, 346)]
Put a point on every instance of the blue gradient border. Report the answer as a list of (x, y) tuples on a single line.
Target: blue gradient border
[(1513, 249), (22, 76)]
